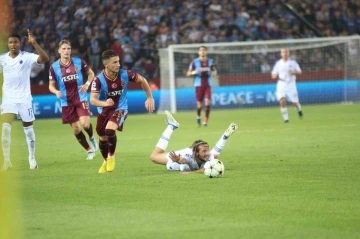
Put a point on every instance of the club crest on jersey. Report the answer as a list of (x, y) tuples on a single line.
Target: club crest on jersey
[(67, 70), (113, 85), (122, 83), (21, 61)]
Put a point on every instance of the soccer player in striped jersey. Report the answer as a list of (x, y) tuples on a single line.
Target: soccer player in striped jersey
[(190, 159), (203, 69), (67, 83), (16, 98), (108, 93)]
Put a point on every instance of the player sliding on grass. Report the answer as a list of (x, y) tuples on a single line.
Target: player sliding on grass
[(192, 158)]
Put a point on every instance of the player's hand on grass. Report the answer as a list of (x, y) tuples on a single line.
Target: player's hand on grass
[(30, 37), (108, 103), (174, 157), (150, 105), (58, 94)]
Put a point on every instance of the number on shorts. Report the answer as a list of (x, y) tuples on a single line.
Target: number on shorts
[(30, 112), (85, 105)]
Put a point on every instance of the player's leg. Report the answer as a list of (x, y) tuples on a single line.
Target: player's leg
[(281, 97), (159, 155), (8, 113), (103, 141), (224, 137), (115, 122), (27, 117), (199, 99), (294, 98), (83, 112), (70, 116), (207, 95)]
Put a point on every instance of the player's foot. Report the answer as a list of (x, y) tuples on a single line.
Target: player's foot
[(33, 164), (205, 123), (300, 114), (90, 155), (7, 165), (110, 163), (286, 121), (93, 144), (198, 121), (103, 169), (232, 128), (170, 120)]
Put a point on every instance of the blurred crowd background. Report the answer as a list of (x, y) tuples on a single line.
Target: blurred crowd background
[(136, 29)]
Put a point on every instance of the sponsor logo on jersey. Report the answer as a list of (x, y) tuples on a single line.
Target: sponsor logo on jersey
[(70, 77), (115, 93)]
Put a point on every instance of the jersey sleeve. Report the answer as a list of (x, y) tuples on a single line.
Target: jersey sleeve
[(297, 67), (96, 85), (52, 76), (132, 76), (192, 66), (84, 66), (33, 58), (275, 70)]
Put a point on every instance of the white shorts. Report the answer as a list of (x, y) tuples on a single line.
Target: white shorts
[(23, 110), (291, 95)]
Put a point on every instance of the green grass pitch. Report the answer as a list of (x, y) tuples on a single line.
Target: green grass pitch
[(296, 180)]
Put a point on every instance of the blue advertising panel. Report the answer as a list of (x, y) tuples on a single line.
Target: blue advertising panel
[(48, 106)]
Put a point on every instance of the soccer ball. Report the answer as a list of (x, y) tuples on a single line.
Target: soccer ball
[(214, 168)]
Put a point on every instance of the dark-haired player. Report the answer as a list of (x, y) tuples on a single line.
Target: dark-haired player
[(16, 98), (191, 158), (108, 93), (66, 74), (203, 69)]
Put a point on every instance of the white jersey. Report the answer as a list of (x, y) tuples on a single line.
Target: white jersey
[(16, 86), (281, 69), (187, 154)]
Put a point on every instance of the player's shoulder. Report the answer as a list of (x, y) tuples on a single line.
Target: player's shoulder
[(4, 55), (55, 63)]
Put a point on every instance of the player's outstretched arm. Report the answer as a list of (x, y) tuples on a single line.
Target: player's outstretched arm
[(176, 158), (91, 76), (94, 100), (149, 103), (52, 89), (43, 57)]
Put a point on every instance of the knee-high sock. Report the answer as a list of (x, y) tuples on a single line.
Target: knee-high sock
[(30, 139), (104, 148), (198, 112), (89, 131), (111, 135), (82, 140), (165, 137), (6, 141), (219, 145), (284, 113), (207, 112)]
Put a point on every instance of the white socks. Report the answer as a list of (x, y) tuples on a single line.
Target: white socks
[(298, 107), (6, 141), (219, 146), (30, 139), (165, 137), (284, 113)]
